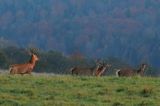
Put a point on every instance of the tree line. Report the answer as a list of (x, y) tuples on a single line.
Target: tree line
[(126, 29)]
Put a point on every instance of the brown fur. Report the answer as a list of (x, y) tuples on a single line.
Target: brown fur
[(98, 71), (130, 72), (101, 70), (25, 68), (82, 71)]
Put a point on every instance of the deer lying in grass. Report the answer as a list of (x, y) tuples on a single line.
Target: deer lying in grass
[(98, 71), (130, 72), (25, 68)]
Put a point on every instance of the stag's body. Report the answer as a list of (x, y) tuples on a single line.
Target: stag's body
[(25, 68), (125, 72), (131, 72), (82, 71), (98, 71)]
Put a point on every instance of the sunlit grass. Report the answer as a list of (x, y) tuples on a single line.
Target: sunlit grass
[(65, 90)]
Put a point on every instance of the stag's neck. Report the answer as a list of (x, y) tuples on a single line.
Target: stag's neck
[(32, 63), (141, 70)]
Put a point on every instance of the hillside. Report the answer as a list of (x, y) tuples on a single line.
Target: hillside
[(49, 90), (127, 29)]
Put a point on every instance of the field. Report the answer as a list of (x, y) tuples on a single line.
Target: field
[(66, 90)]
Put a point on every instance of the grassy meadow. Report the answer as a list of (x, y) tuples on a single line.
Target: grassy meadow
[(66, 90)]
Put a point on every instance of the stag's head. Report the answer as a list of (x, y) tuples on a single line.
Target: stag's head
[(144, 66), (142, 69), (35, 57), (33, 53)]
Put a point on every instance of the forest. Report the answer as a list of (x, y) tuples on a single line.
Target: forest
[(126, 30)]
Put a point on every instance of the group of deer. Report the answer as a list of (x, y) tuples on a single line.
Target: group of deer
[(99, 70), (93, 71)]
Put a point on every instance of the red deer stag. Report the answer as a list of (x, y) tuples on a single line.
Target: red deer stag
[(102, 69), (130, 72), (97, 71), (25, 68)]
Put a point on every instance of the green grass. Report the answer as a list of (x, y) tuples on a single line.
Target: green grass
[(49, 90)]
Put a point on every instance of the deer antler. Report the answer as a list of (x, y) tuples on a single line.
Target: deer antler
[(33, 50)]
